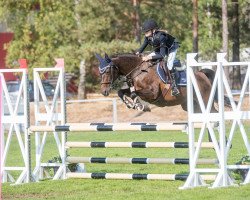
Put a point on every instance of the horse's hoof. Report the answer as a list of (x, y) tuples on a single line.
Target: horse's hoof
[(139, 107), (130, 106), (128, 103)]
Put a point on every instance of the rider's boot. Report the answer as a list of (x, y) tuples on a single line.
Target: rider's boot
[(175, 90)]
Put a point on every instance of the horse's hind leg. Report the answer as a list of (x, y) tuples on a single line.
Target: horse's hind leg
[(184, 106)]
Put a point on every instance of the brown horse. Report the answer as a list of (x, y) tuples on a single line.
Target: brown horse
[(148, 86)]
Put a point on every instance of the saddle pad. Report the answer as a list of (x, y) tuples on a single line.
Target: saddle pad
[(181, 76), (161, 73)]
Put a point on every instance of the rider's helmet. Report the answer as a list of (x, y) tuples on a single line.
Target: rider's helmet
[(149, 24)]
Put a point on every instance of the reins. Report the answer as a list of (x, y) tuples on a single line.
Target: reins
[(136, 68)]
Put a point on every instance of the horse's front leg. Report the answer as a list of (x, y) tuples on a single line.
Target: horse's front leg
[(139, 105), (124, 95), (132, 100)]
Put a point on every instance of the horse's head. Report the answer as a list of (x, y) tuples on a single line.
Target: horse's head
[(108, 72)]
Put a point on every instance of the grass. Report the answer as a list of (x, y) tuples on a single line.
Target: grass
[(123, 189)]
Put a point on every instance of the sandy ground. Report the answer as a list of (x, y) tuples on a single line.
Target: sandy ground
[(103, 112)]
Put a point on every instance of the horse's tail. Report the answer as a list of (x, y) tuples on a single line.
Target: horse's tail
[(210, 74)]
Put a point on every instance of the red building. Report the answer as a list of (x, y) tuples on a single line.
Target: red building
[(5, 37)]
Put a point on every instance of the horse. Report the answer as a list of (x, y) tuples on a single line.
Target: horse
[(148, 86)]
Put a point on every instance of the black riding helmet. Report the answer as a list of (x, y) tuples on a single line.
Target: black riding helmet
[(149, 24)]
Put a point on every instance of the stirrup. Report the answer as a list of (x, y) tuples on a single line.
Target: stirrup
[(175, 91)]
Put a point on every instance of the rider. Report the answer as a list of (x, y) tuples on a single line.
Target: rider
[(165, 47)]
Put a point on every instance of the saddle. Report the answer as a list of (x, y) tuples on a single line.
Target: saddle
[(181, 78)]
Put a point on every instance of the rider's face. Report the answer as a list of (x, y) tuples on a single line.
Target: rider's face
[(149, 33)]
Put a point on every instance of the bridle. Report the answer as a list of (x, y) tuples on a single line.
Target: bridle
[(112, 68)]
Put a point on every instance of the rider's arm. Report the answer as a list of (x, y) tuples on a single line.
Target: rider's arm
[(143, 46), (163, 48)]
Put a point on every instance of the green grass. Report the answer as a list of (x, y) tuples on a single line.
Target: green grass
[(123, 189)]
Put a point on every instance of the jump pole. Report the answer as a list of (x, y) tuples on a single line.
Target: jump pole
[(124, 176)]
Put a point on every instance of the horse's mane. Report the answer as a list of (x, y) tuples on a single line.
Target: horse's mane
[(123, 54), (126, 60), (129, 56)]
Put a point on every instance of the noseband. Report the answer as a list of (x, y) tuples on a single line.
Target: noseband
[(112, 68)]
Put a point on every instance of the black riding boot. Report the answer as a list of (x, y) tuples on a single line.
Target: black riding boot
[(175, 91)]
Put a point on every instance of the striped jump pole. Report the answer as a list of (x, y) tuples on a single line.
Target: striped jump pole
[(123, 176), (137, 160), (108, 127), (133, 145), (76, 127)]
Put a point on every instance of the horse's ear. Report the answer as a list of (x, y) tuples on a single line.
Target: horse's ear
[(98, 56), (103, 63), (107, 58), (101, 60)]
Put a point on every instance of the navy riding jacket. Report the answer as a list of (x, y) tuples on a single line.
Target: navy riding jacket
[(161, 41)]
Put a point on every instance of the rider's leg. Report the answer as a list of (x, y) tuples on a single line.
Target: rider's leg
[(170, 63)]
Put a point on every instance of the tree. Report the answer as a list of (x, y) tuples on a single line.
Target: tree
[(236, 44), (82, 82), (195, 26), (46, 29), (43, 30), (225, 34), (104, 26), (136, 19)]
